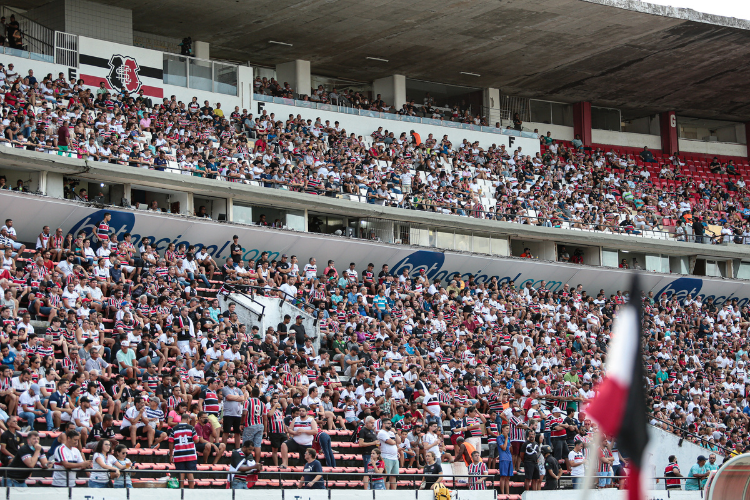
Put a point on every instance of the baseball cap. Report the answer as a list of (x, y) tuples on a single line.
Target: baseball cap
[(534, 402)]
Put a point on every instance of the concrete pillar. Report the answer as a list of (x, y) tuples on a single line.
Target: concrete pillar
[(392, 90), (54, 186), (582, 121), (201, 50), (491, 98), (230, 209), (297, 73), (245, 86), (668, 127)]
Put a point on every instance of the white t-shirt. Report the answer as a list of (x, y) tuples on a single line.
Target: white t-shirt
[(389, 451), (65, 454), (132, 414), (575, 456), (28, 400), (83, 417)]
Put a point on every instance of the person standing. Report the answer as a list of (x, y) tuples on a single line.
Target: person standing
[(68, 459), (672, 474), (531, 457), (504, 460), (243, 467), (376, 469), (552, 471), (478, 472), (182, 451), (576, 461), (256, 420), (697, 475), (312, 476), (234, 399), (389, 442), (368, 440)]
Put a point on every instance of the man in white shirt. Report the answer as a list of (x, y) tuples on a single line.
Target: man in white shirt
[(290, 291), (68, 459), (389, 442), (82, 418), (577, 460)]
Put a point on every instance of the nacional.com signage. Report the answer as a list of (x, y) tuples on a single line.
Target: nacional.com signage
[(31, 213)]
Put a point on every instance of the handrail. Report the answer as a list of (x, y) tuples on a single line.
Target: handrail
[(677, 430), (234, 289), (280, 476)]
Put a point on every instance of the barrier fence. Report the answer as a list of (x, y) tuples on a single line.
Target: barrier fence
[(291, 479)]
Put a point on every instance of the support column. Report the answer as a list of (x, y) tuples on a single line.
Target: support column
[(297, 74), (668, 127), (747, 137), (201, 50), (491, 98), (582, 121), (392, 90)]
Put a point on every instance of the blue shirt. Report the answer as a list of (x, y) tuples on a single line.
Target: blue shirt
[(694, 484), (503, 454), (311, 470)]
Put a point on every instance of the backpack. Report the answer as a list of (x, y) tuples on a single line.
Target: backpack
[(355, 435), (441, 492)]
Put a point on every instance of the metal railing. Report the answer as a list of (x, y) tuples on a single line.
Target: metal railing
[(702, 440), (66, 49), (200, 74), (391, 116), (292, 479), (37, 40)]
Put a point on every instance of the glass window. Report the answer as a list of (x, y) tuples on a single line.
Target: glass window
[(175, 70), (463, 242), (444, 240), (481, 244), (242, 214), (225, 79), (200, 75)]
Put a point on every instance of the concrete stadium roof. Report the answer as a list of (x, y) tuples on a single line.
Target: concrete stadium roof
[(641, 58)]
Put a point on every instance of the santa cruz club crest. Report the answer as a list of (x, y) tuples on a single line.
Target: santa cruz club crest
[(123, 74)]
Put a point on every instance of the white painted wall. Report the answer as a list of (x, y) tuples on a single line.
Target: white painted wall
[(559, 132), (712, 148), (365, 125), (272, 315), (627, 139)]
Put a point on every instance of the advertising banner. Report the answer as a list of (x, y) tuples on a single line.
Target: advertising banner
[(30, 213)]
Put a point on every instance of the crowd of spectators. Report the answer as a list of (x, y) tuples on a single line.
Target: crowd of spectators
[(136, 347), (137, 339), (566, 185)]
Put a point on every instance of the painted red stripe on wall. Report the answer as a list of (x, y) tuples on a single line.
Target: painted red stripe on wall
[(95, 81)]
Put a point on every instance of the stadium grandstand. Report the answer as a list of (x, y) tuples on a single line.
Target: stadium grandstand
[(342, 267)]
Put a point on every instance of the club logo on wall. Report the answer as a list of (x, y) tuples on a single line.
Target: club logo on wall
[(123, 74)]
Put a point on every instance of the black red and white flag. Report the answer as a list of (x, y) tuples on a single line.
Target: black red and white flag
[(121, 73), (619, 406)]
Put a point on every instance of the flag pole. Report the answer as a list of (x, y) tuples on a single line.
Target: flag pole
[(590, 474)]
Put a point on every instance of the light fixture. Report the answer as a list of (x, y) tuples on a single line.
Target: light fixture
[(470, 74), (281, 43), (376, 59), (102, 184)]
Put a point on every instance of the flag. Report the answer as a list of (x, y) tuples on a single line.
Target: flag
[(619, 406)]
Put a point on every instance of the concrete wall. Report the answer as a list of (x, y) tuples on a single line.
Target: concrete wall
[(712, 148), (392, 90), (559, 132), (297, 74), (98, 20), (627, 139), (254, 313)]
